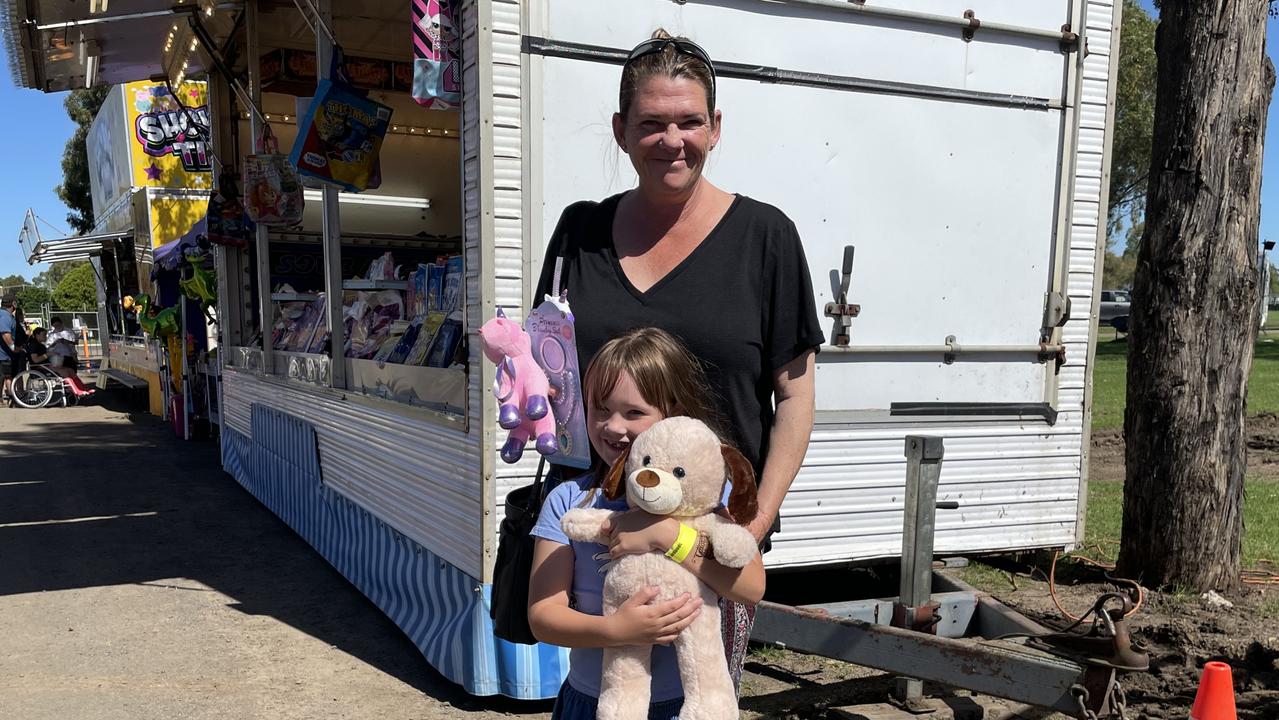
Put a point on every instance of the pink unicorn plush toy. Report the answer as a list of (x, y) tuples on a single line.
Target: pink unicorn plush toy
[(521, 388)]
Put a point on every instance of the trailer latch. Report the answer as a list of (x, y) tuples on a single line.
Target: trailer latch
[(841, 310), (922, 619)]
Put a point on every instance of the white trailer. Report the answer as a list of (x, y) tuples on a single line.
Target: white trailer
[(960, 147)]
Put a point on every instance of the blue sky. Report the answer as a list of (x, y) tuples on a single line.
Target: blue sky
[(34, 128)]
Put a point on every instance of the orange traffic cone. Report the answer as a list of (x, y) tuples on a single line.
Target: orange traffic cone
[(1216, 697)]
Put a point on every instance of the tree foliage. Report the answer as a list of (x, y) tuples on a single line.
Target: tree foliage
[(1134, 119), (33, 298), (76, 291), (50, 278), (1117, 273), (12, 281), (81, 105)]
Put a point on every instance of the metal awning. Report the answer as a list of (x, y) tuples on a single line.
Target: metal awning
[(54, 45), (79, 247)]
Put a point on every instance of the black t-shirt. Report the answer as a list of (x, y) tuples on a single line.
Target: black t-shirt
[(742, 302), (34, 348)]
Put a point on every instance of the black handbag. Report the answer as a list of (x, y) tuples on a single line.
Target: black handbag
[(509, 608)]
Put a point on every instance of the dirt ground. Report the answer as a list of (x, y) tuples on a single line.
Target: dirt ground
[(1182, 631), (139, 581)]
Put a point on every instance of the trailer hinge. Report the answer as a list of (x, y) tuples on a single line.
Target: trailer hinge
[(841, 310), (1056, 309), (1070, 39), (973, 24)]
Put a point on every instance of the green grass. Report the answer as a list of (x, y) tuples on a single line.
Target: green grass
[(1110, 380), (986, 578), (1269, 608), (1260, 518), (766, 653)]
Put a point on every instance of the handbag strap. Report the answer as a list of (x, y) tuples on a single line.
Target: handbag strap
[(535, 500)]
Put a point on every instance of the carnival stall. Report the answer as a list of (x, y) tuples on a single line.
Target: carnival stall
[(966, 166)]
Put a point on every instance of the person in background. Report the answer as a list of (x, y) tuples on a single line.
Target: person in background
[(8, 350), (38, 354), (62, 347), (21, 334)]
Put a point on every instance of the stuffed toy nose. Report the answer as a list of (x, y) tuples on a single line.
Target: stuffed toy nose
[(647, 478)]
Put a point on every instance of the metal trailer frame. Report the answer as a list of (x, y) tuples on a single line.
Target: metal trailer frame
[(943, 630)]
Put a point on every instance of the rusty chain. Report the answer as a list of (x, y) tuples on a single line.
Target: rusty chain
[(1118, 702), (1081, 696)]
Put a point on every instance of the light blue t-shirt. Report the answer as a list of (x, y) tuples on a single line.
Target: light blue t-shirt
[(585, 664), (8, 324)]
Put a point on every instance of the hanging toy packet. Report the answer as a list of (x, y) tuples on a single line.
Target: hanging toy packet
[(340, 138), (550, 326), (437, 48)]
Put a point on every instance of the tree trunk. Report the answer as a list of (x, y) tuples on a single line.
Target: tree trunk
[(1194, 298)]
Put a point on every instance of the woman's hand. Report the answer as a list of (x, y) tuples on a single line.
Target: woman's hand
[(636, 532), (637, 622)]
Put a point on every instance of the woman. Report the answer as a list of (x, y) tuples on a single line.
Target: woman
[(37, 352), (724, 273)]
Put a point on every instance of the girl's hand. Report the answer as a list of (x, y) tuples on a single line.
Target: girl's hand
[(636, 532), (638, 623)]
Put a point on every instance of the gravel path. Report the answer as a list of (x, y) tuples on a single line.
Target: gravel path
[(139, 581)]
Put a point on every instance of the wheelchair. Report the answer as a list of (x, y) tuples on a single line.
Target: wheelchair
[(38, 386)]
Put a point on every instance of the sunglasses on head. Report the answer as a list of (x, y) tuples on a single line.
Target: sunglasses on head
[(684, 47)]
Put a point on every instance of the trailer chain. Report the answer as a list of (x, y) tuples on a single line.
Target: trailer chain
[(1081, 696), (1120, 702)]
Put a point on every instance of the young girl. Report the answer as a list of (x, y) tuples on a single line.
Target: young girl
[(634, 381)]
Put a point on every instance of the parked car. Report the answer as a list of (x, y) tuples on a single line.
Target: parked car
[(1114, 309)]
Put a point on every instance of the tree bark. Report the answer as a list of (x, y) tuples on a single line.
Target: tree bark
[(1194, 301)]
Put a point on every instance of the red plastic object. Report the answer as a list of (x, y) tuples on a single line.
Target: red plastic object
[(175, 414), (1216, 697)]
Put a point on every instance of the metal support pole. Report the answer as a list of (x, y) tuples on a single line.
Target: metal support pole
[(919, 521), (262, 245), (331, 224), (968, 22), (186, 367)]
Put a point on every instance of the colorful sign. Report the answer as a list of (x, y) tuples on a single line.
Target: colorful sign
[(143, 136), (170, 143)]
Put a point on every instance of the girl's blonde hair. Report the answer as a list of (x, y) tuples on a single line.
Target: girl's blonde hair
[(666, 374)]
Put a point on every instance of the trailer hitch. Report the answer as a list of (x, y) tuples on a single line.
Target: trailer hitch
[(944, 631), (1108, 643)]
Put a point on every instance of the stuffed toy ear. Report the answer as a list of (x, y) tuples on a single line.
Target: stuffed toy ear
[(613, 488), (741, 501)]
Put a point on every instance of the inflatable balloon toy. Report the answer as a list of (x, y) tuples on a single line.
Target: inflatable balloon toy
[(201, 287), (146, 320), (521, 388)]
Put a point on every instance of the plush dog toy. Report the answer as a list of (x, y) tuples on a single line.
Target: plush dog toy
[(521, 388), (677, 467)]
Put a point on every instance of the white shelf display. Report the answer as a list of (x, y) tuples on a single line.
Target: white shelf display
[(301, 324), (403, 336)]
